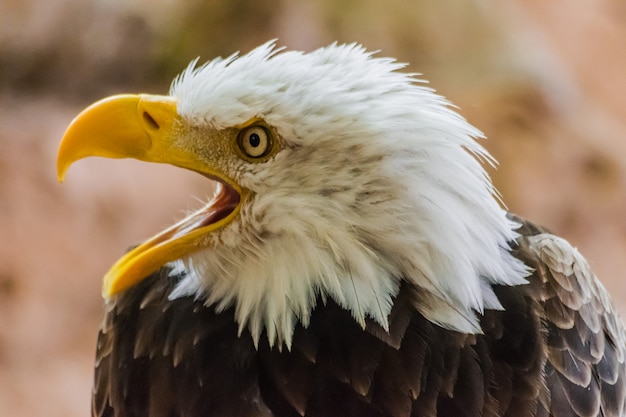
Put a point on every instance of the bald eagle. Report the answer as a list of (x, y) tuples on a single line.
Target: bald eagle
[(353, 261)]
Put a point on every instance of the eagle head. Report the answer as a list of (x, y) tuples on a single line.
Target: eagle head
[(339, 176)]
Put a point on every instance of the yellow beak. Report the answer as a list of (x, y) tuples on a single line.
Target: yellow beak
[(147, 128), (123, 126)]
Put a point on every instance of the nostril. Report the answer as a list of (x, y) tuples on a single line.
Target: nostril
[(152, 124)]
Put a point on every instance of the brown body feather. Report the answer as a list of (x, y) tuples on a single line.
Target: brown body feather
[(557, 349)]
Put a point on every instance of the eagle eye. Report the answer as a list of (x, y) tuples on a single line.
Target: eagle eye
[(255, 142)]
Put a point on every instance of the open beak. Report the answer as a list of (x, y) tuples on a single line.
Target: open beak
[(146, 127)]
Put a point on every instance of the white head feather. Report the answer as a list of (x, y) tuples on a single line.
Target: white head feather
[(378, 181)]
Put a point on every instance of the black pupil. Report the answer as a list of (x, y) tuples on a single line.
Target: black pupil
[(255, 140)]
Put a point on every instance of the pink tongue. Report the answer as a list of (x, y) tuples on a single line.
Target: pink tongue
[(226, 201), (216, 214)]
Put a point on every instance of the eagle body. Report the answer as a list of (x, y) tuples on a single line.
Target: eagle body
[(353, 261), (548, 352)]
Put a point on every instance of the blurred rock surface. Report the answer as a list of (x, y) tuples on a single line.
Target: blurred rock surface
[(543, 80)]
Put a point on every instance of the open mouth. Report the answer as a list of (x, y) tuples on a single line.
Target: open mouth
[(176, 242), (224, 202)]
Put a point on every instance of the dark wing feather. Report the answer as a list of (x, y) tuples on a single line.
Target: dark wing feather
[(557, 349), (585, 340), (158, 357)]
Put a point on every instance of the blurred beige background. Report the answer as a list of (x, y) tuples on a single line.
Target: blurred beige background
[(545, 80)]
